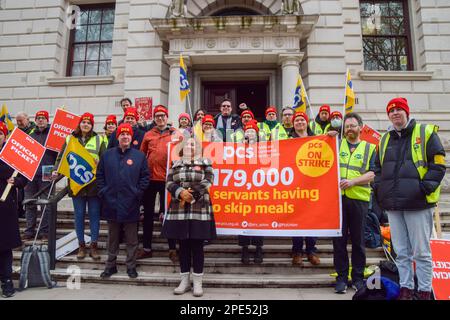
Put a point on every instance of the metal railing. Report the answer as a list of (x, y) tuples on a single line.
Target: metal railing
[(52, 203)]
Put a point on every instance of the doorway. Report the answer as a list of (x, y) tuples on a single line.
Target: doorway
[(254, 93)]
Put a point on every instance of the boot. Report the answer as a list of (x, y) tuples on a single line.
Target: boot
[(259, 255), (81, 251), (94, 253), (198, 278), (8, 290), (405, 294), (313, 259), (424, 295), (245, 256), (297, 259), (185, 284), (173, 256)]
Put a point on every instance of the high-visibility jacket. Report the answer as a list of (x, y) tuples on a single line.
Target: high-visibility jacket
[(92, 145), (277, 133), (420, 136), (353, 165), (317, 129)]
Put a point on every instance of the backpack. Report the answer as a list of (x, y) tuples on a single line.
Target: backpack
[(35, 268), (372, 232)]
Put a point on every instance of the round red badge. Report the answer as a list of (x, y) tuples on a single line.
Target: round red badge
[(135, 142), (129, 162)]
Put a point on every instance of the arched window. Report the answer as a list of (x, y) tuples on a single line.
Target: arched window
[(235, 11)]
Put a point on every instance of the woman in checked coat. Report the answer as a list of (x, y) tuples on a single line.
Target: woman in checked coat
[(190, 217)]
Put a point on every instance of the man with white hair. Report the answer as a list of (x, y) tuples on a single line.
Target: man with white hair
[(24, 123)]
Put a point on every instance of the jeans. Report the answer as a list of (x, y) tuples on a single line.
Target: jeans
[(411, 233), (297, 245), (79, 205), (354, 215), (31, 210), (191, 253)]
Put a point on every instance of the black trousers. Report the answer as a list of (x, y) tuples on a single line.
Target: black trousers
[(257, 241), (149, 199), (6, 261), (191, 254), (354, 215)]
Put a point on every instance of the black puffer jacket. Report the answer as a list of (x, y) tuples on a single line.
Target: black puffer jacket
[(397, 185)]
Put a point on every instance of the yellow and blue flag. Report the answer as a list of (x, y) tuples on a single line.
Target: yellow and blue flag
[(6, 118), (77, 165), (184, 83), (299, 96), (349, 94)]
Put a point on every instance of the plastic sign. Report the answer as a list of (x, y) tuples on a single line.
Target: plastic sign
[(440, 250)]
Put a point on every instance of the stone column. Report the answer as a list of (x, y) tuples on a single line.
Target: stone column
[(289, 69), (176, 107)]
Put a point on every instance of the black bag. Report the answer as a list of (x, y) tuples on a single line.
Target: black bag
[(372, 231), (35, 268)]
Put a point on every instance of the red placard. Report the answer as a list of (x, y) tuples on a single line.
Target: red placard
[(22, 153), (370, 135), (144, 107), (63, 125), (440, 250)]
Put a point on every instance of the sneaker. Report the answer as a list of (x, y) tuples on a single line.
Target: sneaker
[(142, 254), (108, 272), (8, 290), (132, 273), (358, 284), (340, 287)]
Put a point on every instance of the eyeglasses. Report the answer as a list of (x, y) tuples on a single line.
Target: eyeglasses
[(351, 126), (160, 116), (288, 115), (226, 106)]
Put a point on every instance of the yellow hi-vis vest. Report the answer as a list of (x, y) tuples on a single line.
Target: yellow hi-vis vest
[(277, 133), (317, 129), (420, 136), (92, 146), (353, 165)]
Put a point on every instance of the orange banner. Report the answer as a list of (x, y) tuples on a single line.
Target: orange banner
[(281, 188), (440, 250), (370, 135), (63, 125), (22, 153)]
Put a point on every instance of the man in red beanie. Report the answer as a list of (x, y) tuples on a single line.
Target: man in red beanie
[(273, 129), (122, 178), (321, 124), (40, 135), (335, 122), (130, 116), (408, 172), (154, 146)]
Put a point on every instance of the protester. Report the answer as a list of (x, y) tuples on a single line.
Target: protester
[(209, 134), (251, 132), (126, 103), (199, 114), (130, 116), (24, 123), (154, 147), (95, 145), (321, 124), (302, 130), (273, 129), (9, 221), (48, 160), (335, 121), (246, 117), (110, 127), (409, 171), (226, 122), (356, 159), (287, 114), (185, 124), (190, 217), (122, 178)]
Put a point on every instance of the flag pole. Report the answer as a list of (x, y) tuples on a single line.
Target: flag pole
[(343, 107)]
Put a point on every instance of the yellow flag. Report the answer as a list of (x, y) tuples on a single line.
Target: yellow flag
[(184, 83), (77, 165), (299, 96), (349, 94), (6, 118)]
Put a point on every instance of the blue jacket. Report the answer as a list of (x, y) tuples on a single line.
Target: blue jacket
[(122, 178)]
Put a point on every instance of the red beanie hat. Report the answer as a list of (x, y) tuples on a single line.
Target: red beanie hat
[(161, 108), (252, 124), (3, 128), (42, 113), (247, 112), (111, 119), (184, 115), (208, 118), (270, 109), (326, 108), (131, 112), (124, 127), (87, 116), (300, 114), (336, 114), (399, 102)]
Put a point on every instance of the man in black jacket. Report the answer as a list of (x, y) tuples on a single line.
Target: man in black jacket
[(40, 135), (409, 170), (226, 122)]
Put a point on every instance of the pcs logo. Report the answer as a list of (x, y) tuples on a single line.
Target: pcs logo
[(80, 169)]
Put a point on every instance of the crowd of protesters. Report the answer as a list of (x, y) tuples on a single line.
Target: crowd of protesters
[(403, 175)]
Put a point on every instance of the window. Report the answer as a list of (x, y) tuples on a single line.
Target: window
[(386, 35), (91, 42)]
